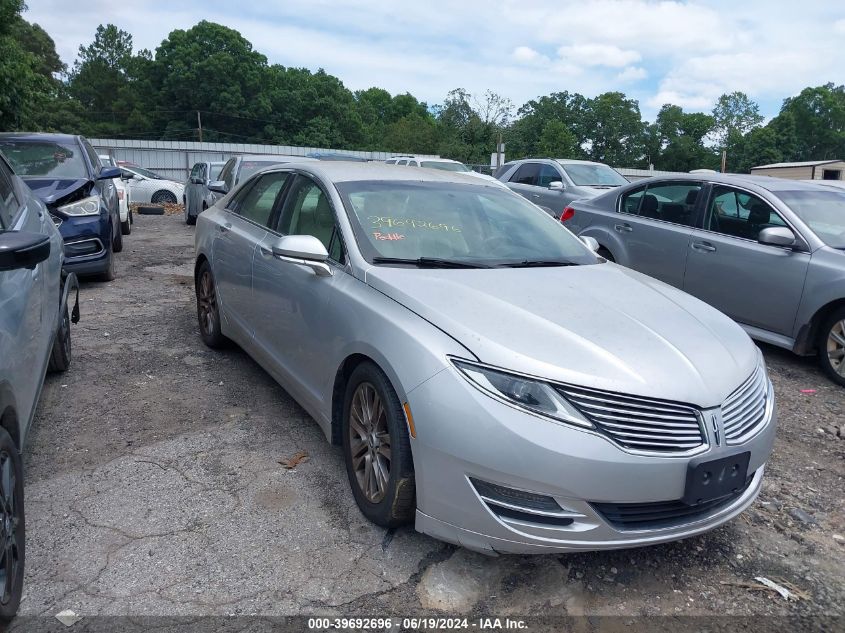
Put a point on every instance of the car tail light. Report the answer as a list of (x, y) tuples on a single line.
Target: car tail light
[(119, 195), (567, 214)]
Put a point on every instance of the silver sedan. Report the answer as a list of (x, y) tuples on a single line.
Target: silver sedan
[(488, 376)]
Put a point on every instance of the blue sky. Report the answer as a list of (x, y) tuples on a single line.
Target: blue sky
[(686, 53)]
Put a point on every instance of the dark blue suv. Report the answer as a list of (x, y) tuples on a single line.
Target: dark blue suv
[(65, 172)]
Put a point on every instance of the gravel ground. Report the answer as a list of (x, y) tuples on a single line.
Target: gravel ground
[(154, 487)]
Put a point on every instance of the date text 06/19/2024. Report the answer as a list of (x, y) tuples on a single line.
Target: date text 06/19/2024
[(416, 623)]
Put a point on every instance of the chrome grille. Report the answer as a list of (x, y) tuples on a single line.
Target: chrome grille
[(744, 411), (641, 424)]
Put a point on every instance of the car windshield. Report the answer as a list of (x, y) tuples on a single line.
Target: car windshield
[(456, 223), (46, 159), (588, 175), (249, 167), (144, 172), (214, 170), (822, 211), (444, 166)]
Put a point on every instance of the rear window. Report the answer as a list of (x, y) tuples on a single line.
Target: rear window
[(591, 175), (249, 167), (46, 159)]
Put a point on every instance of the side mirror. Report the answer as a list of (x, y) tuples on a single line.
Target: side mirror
[(218, 186), (23, 249), (776, 236), (125, 175), (556, 185), (305, 250), (107, 173), (197, 181), (591, 243)]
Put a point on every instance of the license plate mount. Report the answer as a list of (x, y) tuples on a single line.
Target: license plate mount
[(716, 478)]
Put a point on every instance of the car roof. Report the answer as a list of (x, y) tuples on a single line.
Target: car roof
[(770, 183), (562, 161), (271, 157), (339, 171), (40, 136)]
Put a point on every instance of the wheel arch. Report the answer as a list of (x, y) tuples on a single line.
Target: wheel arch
[(607, 240), (8, 415), (201, 259), (344, 371), (807, 338)]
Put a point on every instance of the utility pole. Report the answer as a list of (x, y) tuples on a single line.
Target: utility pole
[(199, 124), (724, 160)]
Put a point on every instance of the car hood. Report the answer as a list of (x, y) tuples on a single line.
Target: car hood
[(53, 190), (600, 326)]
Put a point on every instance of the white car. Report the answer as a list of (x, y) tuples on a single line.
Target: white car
[(147, 186), (123, 197), (443, 164)]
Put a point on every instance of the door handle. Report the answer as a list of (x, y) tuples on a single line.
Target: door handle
[(704, 247), (535, 195), (623, 228)]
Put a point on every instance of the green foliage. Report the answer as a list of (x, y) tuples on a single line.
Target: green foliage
[(211, 70)]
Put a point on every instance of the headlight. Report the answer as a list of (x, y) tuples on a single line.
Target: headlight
[(86, 206), (534, 395)]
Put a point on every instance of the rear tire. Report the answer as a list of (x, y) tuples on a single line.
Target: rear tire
[(831, 346), (375, 439), (208, 314), (14, 544), (60, 356), (126, 227)]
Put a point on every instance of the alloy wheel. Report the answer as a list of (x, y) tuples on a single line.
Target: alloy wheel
[(207, 302), (369, 441), (836, 347), (9, 520)]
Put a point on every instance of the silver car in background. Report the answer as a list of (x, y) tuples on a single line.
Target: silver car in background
[(198, 197), (768, 252), (553, 183), (487, 375)]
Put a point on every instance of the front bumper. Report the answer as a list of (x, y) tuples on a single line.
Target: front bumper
[(463, 434), (87, 243)]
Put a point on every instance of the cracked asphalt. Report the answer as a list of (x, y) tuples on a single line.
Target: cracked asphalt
[(154, 487)]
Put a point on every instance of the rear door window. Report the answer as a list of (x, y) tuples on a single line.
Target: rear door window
[(674, 202), (527, 174), (257, 202)]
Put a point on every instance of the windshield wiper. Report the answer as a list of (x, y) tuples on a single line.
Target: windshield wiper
[(537, 263), (428, 262)]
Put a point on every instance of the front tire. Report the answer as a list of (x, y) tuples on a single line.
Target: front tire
[(831, 346), (60, 356), (117, 240), (126, 227), (377, 449), (108, 273), (208, 313), (13, 532)]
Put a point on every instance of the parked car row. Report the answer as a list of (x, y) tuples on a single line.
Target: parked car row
[(488, 375), (79, 192)]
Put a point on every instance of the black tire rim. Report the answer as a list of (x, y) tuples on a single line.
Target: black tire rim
[(369, 442), (9, 521), (207, 300)]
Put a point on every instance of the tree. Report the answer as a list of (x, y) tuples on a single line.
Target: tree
[(734, 115), (523, 136), (557, 141), (819, 119), (35, 40), (675, 142), (614, 129), (26, 91)]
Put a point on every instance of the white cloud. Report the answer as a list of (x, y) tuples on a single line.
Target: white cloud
[(839, 26), (632, 73), (598, 55), (527, 55)]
